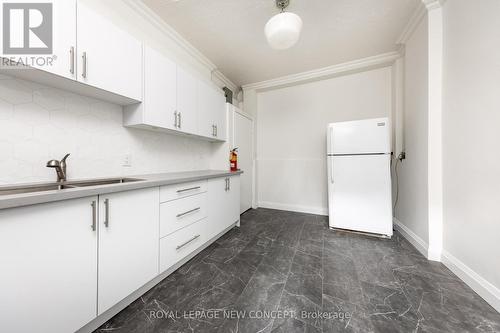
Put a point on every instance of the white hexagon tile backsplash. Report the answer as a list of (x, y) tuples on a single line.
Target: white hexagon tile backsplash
[(38, 123)]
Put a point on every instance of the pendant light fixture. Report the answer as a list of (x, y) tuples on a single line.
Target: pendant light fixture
[(283, 30)]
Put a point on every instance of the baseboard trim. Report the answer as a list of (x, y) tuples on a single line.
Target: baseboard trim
[(484, 288), (294, 208), (413, 238)]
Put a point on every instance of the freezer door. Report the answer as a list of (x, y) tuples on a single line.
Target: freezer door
[(360, 137), (360, 193)]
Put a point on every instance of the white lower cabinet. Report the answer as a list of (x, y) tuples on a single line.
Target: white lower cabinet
[(177, 214), (65, 263), (223, 202), (128, 243), (48, 260), (182, 243)]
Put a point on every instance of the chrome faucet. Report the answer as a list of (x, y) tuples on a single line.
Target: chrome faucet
[(60, 167)]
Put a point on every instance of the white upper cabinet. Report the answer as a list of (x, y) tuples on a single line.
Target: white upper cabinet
[(158, 108), (187, 95), (48, 256), (211, 112), (109, 58)]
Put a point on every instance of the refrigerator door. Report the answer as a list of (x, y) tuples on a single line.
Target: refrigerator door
[(360, 193), (359, 137)]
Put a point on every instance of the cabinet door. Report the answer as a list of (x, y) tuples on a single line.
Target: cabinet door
[(220, 116), (217, 205), (48, 258), (128, 243), (187, 94), (206, 121), (63, 38), (159, 90), (108, 57), (234, 193)]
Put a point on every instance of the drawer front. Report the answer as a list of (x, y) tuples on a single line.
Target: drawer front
[(172, 192), (177, 214), (180, 244)]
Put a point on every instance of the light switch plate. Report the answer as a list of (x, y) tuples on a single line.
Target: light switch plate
[(127, 160)]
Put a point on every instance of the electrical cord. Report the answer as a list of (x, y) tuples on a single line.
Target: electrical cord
[(397, 185)]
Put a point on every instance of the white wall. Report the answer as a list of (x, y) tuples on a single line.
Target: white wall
[(291, 134), (471, 137), (38, 123), (412, 208)]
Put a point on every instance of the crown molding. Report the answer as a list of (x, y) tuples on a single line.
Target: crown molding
[(360, 65), (419, 13), (140, 8), (433, 4), (412, 25)]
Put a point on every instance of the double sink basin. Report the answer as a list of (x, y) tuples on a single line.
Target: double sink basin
[(26, 189)]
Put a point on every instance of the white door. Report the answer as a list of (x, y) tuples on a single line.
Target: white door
[(360, 137), (63, 38), (243, 140), (128, 243), (360, 194), (109, 58), (160, 92), (48, 260), (187, 94)]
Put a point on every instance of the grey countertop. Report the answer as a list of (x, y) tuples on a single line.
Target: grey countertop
[(148, 180)]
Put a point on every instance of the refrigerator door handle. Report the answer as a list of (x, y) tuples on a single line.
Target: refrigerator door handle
[(331, 168)]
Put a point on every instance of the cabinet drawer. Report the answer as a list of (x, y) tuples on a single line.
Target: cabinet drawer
[(173, 192), (177, 214), (180, 244)]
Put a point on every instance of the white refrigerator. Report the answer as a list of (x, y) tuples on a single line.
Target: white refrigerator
[(359, 176)]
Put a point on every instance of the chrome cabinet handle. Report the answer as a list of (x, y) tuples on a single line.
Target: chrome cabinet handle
[(189, 189), (84, 71), (216, 131), (180, 120), (175, 119), (188, 212), (229, 184), (186, 243), (226, 185), (72, 60), (94, 215), (106, 213)]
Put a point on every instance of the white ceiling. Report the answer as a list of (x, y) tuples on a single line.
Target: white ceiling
[(231, 32)]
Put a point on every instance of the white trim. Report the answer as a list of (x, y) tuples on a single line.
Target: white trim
[(140, 8), (412, 25), (433, 4), (294, 208), (378, 61), (412, 237), (480, 285)]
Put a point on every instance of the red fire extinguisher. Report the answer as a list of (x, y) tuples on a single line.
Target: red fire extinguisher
[(233, 159)]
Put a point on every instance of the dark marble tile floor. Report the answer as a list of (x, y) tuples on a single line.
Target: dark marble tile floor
[(287, 272)]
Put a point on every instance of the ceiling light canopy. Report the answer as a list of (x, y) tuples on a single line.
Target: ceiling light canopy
[(283, 30)]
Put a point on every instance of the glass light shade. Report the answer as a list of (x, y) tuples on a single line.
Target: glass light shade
[(283, 30)]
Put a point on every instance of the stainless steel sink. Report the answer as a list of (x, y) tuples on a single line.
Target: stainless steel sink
[(24, 189), (33, 188), (99, 182)]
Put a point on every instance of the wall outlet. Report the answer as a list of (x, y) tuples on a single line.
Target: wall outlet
[(127, 160)]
